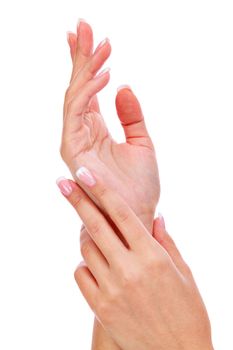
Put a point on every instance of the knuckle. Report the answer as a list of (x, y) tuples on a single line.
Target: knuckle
[(104, 311), (122, 214), (77, 200), (130, 279), (102, 192), (95, 228)]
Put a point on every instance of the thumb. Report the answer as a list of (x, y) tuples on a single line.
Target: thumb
[(131, 117), (166, 241)]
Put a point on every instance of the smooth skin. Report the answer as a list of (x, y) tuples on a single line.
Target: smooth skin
[(86, 140), (130, 168), (144, 293)]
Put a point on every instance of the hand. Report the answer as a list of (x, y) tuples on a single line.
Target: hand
[(81, 51), (129, 168), (144, 294)]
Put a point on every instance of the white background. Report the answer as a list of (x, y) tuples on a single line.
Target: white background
[(177, 56)]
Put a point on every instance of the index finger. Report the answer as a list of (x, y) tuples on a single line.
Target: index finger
[(97, 226), (130, 226)]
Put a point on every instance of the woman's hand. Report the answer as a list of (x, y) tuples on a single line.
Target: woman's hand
[(129, 168), (142, 292)]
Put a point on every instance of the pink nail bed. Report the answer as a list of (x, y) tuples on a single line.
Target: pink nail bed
[(84, 175), (64, 186)]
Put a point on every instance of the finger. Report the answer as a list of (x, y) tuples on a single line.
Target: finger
[(72, 41), (82, 81), (117, 209), (94, 259), (131, 117), (73, 120), (84, 46), (89, 70), (81, 48), (99, 229), (87, 284), (165, 240)]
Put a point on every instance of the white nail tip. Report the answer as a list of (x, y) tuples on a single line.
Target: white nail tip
[(82, 170), (81, 20), (103, 72), (121, 87), (85, 176), (103, 42), (60, 179)]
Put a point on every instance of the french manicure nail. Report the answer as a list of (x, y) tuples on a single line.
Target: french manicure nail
[(79, 21), (102, 72), (64, 186), (102, 43), (121, 87), (84, 175), (161, 221), (81, 264)]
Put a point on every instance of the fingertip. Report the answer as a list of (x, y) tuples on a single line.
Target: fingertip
[(161, 221), (64, 186), (104, 71), (78, 267), (102, 44), (79, 22), (85, 176), (123, 86), (68, 37), (71, 38), (85, 37), (159, 228)]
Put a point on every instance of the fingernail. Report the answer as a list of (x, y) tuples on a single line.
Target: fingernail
[(79, 21), (121, 87), (102, 73), (64, 186), (82, 263), (84, 175), (68, 37), (161, 221), (102, 44)]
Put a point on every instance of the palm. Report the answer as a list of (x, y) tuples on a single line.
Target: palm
[(130, 169)]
